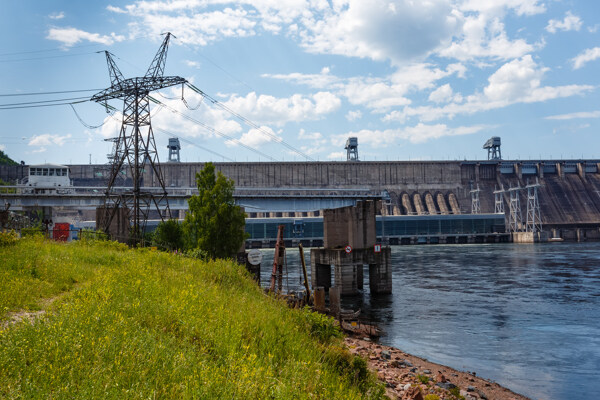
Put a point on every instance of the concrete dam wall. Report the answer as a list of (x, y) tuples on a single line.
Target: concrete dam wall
[(569, 194)]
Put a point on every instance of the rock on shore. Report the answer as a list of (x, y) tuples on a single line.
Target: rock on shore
[(412, 378)]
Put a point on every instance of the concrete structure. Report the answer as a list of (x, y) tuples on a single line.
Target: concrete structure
[(353, 226), (349, 236), (569, 195)]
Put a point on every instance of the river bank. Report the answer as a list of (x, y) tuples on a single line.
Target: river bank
[(408, 377)]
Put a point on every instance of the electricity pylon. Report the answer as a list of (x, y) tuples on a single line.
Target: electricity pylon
[(135, 148)]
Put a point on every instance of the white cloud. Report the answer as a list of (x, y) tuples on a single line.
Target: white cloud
[(192, 64), (272, 110), (2, 147), (46, 140), (321, 80), (419, 133), (380, 30), (337, 155), (575, 115), (39, 150), (485, 36), (588, 55), (517, 81), (353, 115), (441, 94), (499, 7), (256, 137), (57, 15), (71, 36), (315, 136), (593, 29), (569, 23)]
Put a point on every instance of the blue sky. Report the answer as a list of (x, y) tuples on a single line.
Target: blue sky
[(430, 79)]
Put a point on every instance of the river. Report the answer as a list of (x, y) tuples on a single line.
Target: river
[(525, 316)]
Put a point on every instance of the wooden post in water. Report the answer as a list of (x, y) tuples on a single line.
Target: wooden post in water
[(277, 273), (304, 272)]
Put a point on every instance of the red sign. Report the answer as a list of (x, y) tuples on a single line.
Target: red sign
[(377, 248), (348, 249)]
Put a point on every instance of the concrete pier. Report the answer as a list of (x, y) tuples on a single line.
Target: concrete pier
[(350, 237), (348, 269)]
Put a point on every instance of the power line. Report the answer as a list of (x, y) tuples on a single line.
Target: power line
[(248, 122), (47, 57), (161, 107), (42, 101), (48, 50), (211, 129), (86, 124), (193, 144), (43, 105), (45, 93)]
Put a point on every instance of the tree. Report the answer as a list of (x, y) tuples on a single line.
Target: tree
[(214, 223), (6, 160), (169, 235)]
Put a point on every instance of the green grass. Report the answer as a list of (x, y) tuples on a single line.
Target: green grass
[(141, 324)]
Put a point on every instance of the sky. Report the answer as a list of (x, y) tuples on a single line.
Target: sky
[(291, 80)]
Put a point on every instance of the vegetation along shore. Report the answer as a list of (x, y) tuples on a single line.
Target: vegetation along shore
[(95, 319)]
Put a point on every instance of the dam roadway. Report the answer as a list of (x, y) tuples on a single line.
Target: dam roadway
[(569, 195)]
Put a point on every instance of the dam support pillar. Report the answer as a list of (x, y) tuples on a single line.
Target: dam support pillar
[(349, 238)]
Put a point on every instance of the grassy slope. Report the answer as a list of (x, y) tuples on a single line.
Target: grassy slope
[(139, 324)]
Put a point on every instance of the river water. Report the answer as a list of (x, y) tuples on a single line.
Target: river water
[(525, 316)]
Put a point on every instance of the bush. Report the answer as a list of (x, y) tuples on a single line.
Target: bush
[(168, 235), (198, 254), (8, 238), (423, 379), (32, 232), (321, 326)]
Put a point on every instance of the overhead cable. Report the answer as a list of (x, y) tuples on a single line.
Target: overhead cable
[(45, 93), (276, 138), (43, 105), (211, 129), (86, 124)]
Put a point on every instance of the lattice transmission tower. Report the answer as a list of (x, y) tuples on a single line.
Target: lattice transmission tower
[(534, 219), (475, 204), (499, 200), (515, 220), (134, 149)]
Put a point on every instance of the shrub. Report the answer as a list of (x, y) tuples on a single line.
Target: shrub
[(321, 326), (8, 238), (423, 379)]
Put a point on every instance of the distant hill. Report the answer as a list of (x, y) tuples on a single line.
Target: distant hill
[(6, 160)]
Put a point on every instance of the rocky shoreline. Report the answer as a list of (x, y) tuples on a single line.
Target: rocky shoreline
[(408, 377)]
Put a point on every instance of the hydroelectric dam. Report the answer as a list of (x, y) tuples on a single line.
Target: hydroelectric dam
[(568, 192)]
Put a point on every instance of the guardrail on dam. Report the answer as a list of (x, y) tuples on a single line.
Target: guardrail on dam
[(569, 196)]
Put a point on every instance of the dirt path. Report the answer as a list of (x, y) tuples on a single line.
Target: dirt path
[(409, 377), (22, 315)]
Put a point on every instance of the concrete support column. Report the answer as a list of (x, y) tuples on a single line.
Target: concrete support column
[(359, 277), (320, 275), (380, 273), (346, 278)]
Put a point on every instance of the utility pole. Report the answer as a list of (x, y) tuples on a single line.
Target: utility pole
[(134, 150)]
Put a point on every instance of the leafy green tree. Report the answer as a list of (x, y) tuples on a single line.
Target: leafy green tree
[(6, 160), (214, 223), (169, 235)]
